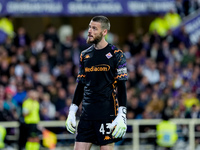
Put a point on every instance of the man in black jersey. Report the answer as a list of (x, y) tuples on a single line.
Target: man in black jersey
[(102, 69)]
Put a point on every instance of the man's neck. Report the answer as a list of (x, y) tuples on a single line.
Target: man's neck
[(102, 44)]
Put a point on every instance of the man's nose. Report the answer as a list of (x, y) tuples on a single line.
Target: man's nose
[(89, 30)]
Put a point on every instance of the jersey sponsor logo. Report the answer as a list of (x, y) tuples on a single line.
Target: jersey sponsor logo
[(87, 56), (109, 55), (122, 70), (102, 67), (107, 138)]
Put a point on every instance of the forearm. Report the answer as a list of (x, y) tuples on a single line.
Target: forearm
[(71, 119), (78, 94), (119, 126), (122, 97)]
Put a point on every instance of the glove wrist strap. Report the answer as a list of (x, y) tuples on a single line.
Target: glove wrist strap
[(73, 108), (122, 110)]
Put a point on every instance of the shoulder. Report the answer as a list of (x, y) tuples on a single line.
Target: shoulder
[(86, 51), (112, 47), (89, 49), (27, 101), (115, 49)]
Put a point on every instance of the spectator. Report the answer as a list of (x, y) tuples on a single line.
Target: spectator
[(43, 60), (151, 72), (64, 111), (133, 110), (31, 117), (21, 94), (131, 42), (19, 68), (21, 39), (143, 100), (5, 115), (177, 80), (155, 105), (159, 25), (51, 34), (190, 56), (60, 103), (6, 28), (193, 112), (194, 5), (48, 46), (33, 64), (173, 19), (166, 133), (53, 93), (81, 39), (75, 53), (170, 38), (10, 104), (39, 44), (47, 109), (71, 87), (3, 135), (180, 8), (65, 33), (4, 71), (190, 99), (169, 106), (155, 38), (44, 76), (182, 36)]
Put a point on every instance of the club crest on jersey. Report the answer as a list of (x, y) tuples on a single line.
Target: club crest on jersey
[(109, 55)]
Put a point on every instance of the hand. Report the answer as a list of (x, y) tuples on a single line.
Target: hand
[(119, 124), (71, 119), (71, 123)]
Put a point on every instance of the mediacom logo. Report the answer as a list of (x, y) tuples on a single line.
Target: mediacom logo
[(101, 67)]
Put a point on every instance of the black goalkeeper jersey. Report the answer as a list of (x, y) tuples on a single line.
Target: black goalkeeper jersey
[(99, 71)]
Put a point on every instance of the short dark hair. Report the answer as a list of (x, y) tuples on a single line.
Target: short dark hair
[(105, 23)]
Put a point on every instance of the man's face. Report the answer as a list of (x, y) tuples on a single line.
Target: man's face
[(95, 33)]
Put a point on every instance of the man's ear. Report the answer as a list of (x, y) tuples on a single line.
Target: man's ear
[(105, 31)]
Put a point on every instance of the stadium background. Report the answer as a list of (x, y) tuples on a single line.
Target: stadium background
[(128, 23), (163, 68)]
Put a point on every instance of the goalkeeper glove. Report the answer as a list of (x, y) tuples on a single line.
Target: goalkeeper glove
[(119, 123), (71, 119)]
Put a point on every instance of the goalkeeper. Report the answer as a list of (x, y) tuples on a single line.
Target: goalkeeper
[(102, 72)]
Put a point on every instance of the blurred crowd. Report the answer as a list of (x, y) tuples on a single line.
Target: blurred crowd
[(164, 72), (186, 7), (42, 64)]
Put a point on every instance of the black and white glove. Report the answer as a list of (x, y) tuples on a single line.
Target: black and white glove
[(71, 119), (119, 123)]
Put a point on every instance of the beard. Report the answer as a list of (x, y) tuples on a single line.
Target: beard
[(96, 40)]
